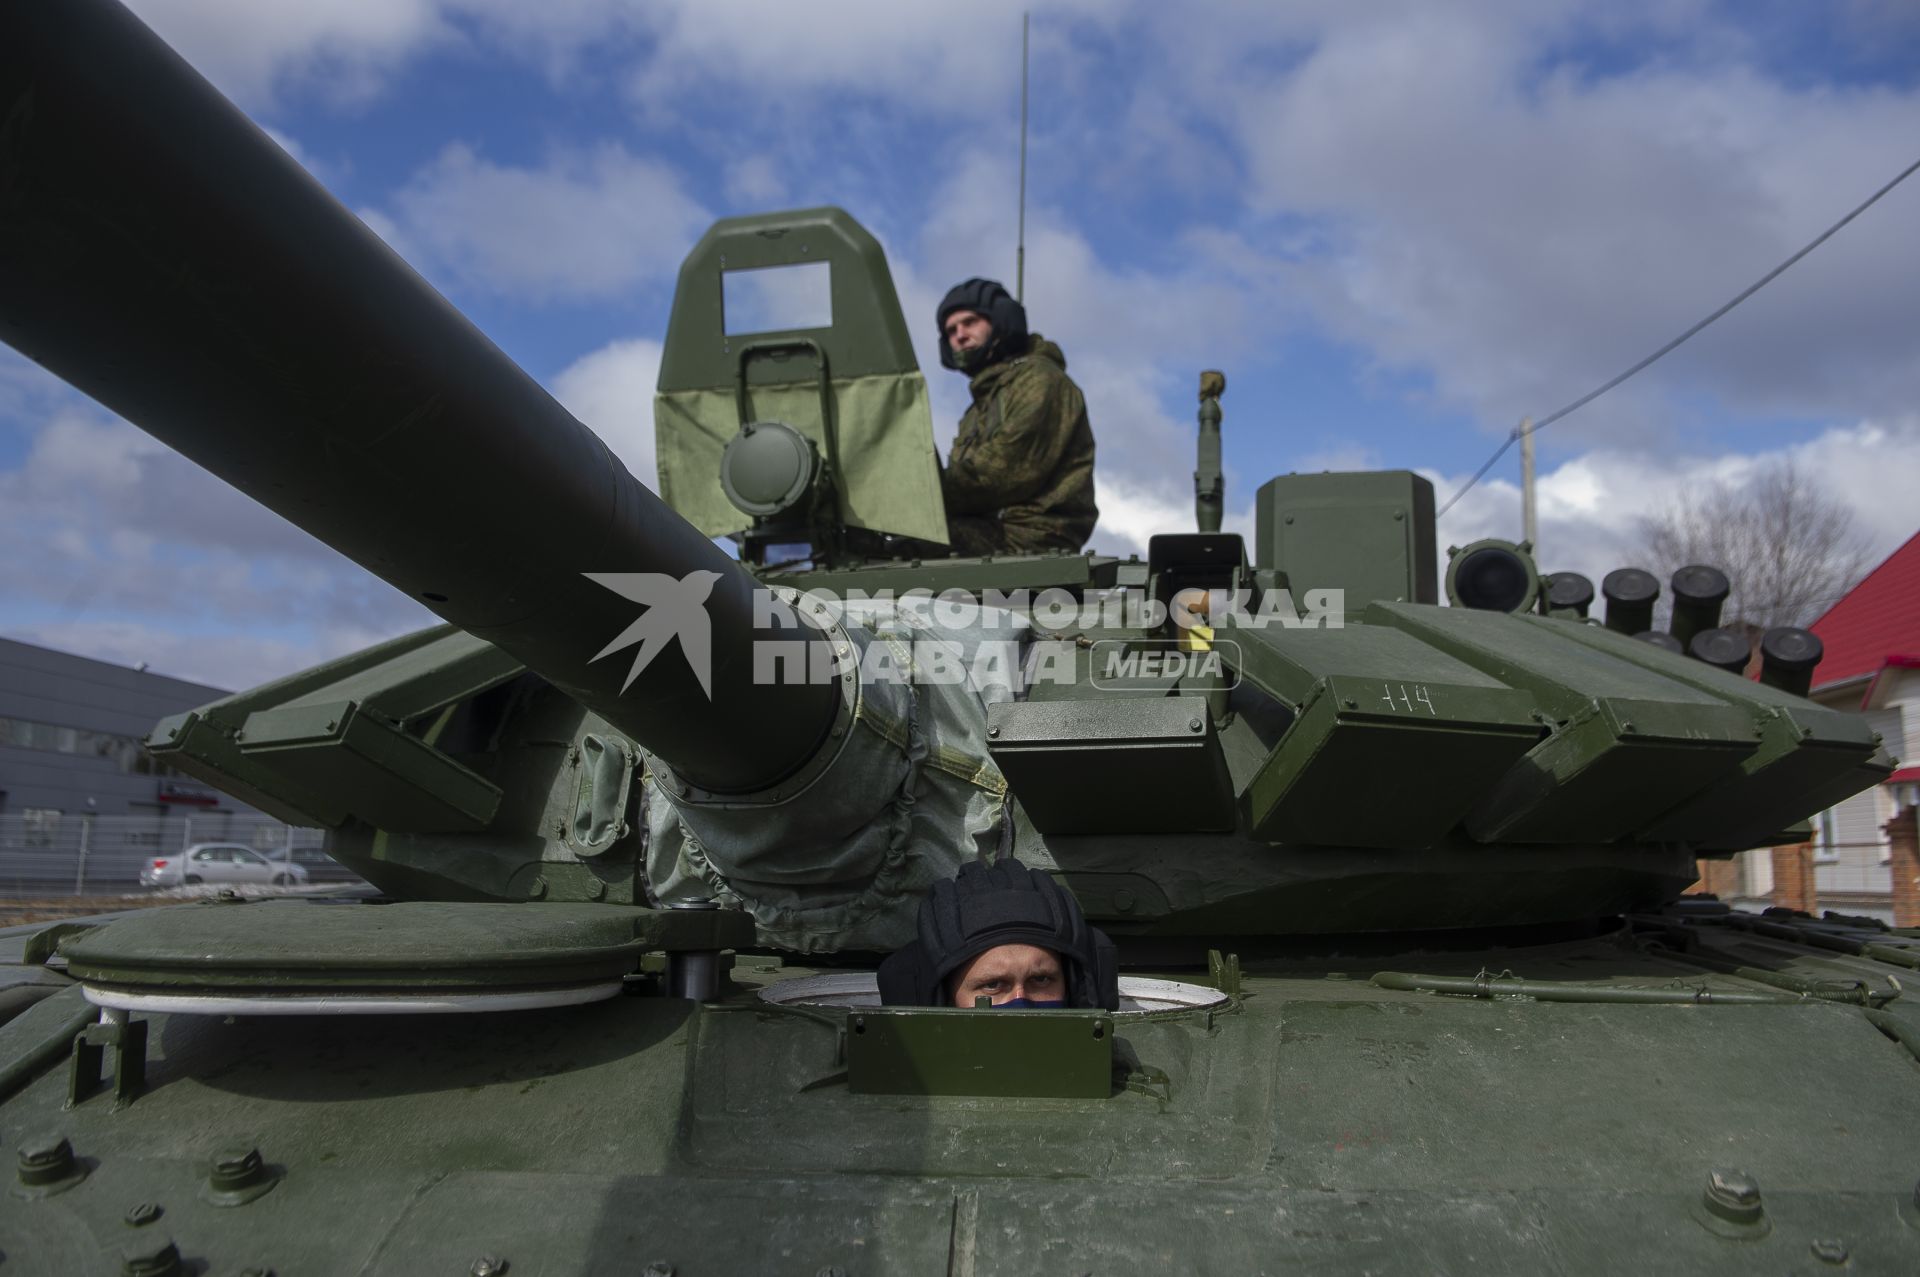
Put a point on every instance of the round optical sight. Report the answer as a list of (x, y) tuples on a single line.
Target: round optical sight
[(1493, 576)]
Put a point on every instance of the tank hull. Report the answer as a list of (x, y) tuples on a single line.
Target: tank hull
[(1320, 1119)]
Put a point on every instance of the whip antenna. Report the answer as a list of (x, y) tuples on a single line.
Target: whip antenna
[(1020, 253)]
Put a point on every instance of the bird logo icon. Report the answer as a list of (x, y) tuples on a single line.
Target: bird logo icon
[(676, 608)]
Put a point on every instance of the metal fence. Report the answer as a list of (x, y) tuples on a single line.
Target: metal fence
[(76, 854)]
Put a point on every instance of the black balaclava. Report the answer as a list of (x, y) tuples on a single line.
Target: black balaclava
[(990, 905), (992, 300)]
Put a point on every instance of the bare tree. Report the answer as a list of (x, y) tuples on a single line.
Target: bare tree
[(1788, 546)]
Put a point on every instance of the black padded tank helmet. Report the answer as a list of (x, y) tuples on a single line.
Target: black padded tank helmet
[(991, 299), (990, 905)]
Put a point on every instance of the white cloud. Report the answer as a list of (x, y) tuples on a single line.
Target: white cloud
[(918, 53), (82, 451), (1590, 506), (391, 232), (127, 550), (1465, 195), (349, 47), (1492, 213), (1452, 193), (351, 50), (1340, 458), (611, 390), (233, 661), (1132, 513), (588, 224), (754, 183), (287, 143), (1874, 467)]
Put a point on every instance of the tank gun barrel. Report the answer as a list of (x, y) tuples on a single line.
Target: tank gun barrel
[(161, 253)]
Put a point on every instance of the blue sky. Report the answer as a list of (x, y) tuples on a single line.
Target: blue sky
[(1398, 227)]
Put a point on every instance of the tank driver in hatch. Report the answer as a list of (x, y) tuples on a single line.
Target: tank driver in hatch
[(1019, 478), (1006, 933)]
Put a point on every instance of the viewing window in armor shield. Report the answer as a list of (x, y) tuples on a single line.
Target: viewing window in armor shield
[(776, 299)]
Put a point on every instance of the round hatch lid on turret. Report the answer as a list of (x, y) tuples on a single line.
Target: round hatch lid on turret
[(309, 958)]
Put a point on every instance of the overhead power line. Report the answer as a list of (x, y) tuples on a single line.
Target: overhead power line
[(1513, 436)]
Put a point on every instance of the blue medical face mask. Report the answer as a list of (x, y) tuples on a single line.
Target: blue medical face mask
[(1029, 1004)]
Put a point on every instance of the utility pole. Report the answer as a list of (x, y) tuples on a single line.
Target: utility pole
[(1209, 483), (86, 841), (1529, 524), (1020, 253)]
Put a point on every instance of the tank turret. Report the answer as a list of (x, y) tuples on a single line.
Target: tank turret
[(607, 667), (1381, 874)]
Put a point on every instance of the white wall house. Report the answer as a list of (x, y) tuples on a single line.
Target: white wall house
[(1872, 667)]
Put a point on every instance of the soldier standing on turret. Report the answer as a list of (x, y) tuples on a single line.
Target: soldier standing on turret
[(1020, 475)]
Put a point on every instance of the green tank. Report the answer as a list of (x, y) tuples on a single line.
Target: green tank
[(1409, 984)]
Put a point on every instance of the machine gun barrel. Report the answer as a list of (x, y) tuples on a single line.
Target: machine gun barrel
[(161, 253)]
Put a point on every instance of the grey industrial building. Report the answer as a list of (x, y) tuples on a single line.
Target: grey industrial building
[(83, 805), (71, 731)]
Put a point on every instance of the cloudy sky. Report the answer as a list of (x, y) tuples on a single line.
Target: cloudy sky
[(1399, 228)]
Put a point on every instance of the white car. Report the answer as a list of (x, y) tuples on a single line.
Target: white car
[(221, 862)]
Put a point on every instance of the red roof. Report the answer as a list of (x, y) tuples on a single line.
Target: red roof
[(1876, 621)]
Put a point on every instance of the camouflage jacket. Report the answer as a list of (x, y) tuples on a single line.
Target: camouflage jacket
[(1020, 475)]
